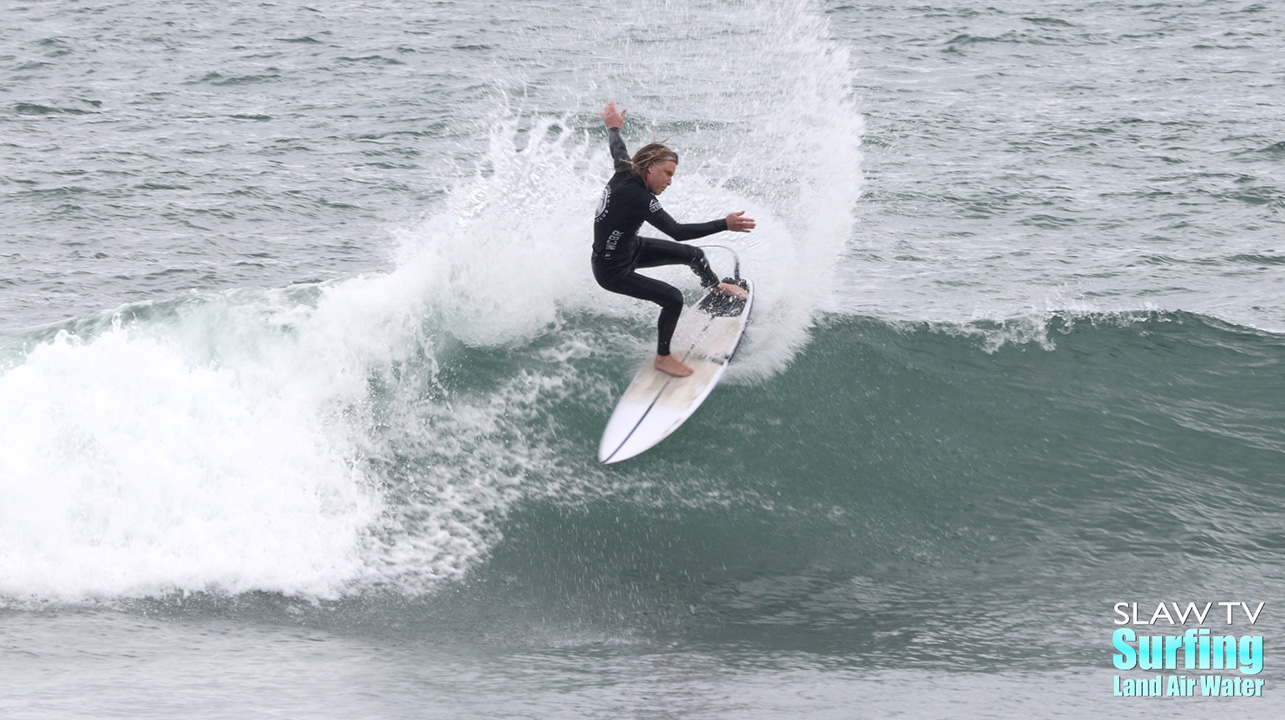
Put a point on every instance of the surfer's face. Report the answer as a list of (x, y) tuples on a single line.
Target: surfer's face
[(660, 175)]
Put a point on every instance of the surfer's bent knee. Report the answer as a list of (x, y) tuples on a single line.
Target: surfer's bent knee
[(670, 298)]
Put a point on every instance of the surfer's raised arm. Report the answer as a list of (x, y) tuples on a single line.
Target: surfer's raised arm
[(619, 251), (615, 120)]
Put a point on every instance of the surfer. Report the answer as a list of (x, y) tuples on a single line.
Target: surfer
[(618, 250)]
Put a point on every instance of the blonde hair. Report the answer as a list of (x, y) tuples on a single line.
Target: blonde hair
[(650, 154)]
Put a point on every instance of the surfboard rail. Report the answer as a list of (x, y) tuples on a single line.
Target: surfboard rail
[(656, 404)]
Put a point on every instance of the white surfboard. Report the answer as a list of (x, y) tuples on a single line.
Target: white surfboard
[(655, 404)]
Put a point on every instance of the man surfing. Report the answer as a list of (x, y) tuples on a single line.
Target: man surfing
[(618, 250)]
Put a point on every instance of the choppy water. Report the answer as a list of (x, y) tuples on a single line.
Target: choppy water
[(303, 368)]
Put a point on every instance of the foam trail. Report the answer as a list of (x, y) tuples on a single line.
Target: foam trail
[(293, 440), (300, 441)]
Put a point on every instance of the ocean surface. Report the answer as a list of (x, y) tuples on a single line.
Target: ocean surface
[(303, 370)]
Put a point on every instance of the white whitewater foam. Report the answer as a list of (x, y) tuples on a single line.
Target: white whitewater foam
[(127, 470), (297, 440)]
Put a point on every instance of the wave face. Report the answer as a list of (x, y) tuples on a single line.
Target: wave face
[(374, 432), (927, 464), (918, 491)]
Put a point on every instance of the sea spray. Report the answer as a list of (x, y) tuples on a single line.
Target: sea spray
[(323, 439)]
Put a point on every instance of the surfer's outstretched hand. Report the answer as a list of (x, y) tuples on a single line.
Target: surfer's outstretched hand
[(737, 222), (735, 291), (612, 118)]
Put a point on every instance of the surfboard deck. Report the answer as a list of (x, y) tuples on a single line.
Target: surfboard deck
[(655, 404)]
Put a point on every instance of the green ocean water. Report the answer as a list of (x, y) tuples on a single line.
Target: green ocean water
[(302, 370)]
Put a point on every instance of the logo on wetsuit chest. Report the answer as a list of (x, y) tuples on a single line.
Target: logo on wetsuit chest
[(602, 204)]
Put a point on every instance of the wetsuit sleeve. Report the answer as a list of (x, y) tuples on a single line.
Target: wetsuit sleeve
[(663, 222), (619, 153)]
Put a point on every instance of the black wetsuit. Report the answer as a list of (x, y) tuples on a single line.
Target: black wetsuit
[(618, 250)]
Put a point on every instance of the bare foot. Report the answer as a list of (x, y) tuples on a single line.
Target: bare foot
[(735, 291), (670, 365)]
